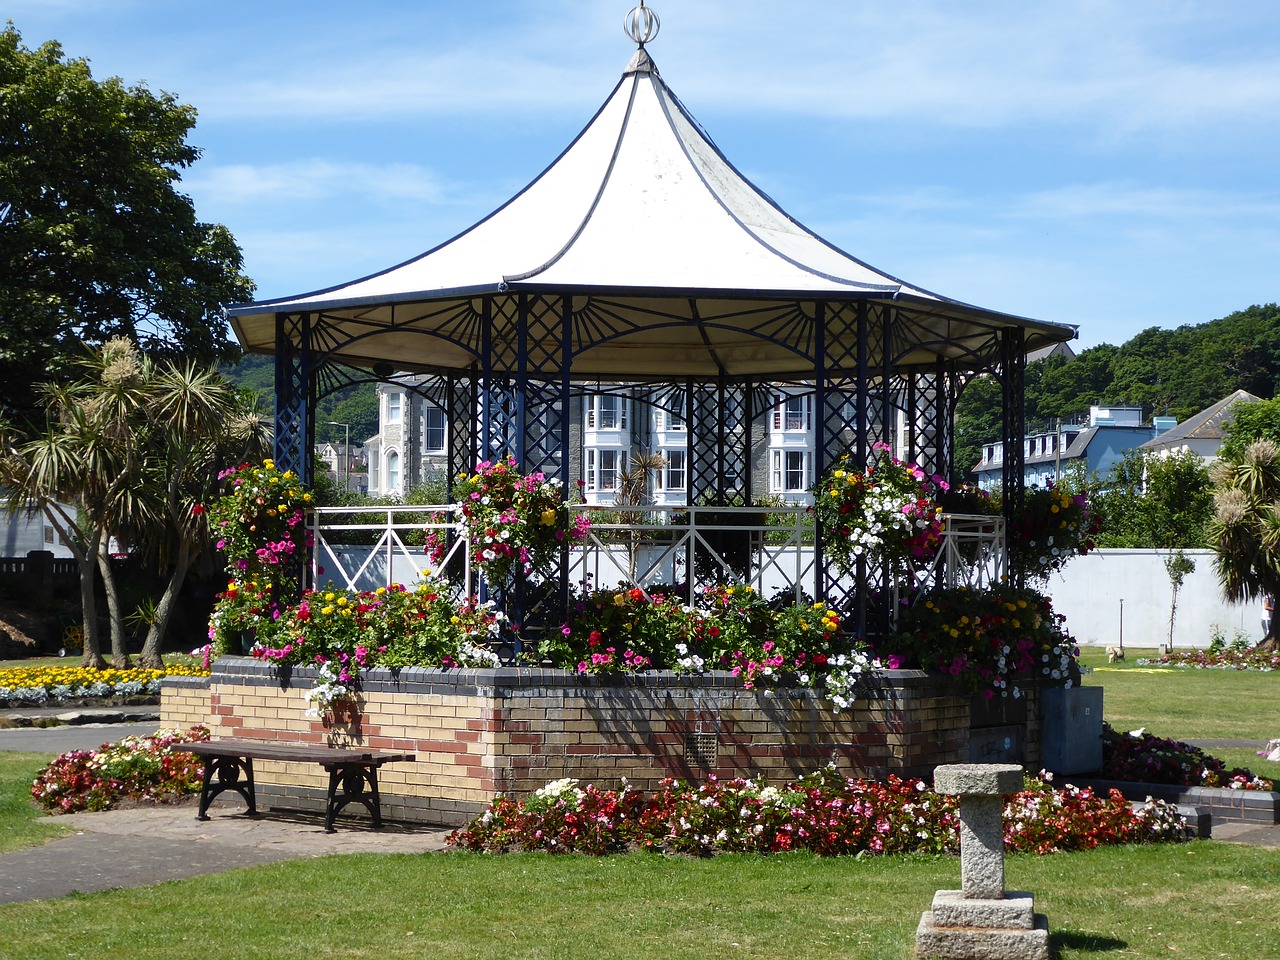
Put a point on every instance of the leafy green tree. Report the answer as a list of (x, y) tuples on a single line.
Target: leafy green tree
[(1250, 422), (977, 422), (96, 241), (1148, 500)]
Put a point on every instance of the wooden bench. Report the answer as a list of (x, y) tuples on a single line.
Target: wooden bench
[(228, 765)]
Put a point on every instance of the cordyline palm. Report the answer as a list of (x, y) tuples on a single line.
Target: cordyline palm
[(136, 448), (196, 424), (70, 473), (1245, 531)]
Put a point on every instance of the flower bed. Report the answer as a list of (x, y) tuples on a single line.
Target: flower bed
[(134, 768), (732, 629), (995, 640), (1216, 660), (36, 686), (1143, 758), (824, 813)]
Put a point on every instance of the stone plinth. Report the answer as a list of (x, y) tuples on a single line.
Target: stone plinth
[(980, 787), (981, 920)]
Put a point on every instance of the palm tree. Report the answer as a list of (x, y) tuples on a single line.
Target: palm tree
[(1245, 531), (135, 447), (70, 472)]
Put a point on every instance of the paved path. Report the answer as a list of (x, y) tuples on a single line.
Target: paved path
[(132, 848), (88, 736)]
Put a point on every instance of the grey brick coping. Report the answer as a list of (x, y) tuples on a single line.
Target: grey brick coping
[(501, 681)]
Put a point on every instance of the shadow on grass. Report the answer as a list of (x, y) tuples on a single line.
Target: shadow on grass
[(1083, 942)]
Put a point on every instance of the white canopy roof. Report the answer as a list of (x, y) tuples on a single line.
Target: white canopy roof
[(644, 211)]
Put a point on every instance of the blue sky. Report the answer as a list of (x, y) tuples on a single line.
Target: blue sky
[(1105, 164)]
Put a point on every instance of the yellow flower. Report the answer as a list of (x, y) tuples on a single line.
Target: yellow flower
[(343, 601), (306, 497), (548, 518), (327, 610), (330, 597), (955, 633), (269, 464), (381, 590)]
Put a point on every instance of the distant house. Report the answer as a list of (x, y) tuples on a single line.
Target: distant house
[(609, 426), (22, 532), (345, 465), (1053, 350), (1098, 446), (1202, 433)]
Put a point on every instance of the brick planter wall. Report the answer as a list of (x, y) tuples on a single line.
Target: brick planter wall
[(478, 733)]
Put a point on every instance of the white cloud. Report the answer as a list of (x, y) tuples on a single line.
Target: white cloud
[(314, 179)]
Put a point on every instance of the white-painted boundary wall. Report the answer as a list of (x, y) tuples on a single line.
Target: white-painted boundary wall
[(1088, 590)]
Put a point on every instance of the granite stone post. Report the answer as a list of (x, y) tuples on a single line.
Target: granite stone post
[(981, 920)]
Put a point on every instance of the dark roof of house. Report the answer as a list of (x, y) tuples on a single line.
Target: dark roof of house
[(1205, 425)]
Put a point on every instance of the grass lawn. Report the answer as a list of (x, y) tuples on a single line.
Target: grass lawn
[(1203, 900), (73, 660), (1185, 704), (21, 823)]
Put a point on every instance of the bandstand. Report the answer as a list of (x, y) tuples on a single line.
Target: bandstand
[(642, 256)]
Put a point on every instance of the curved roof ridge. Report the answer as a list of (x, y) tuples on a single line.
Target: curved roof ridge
[(595, 202)]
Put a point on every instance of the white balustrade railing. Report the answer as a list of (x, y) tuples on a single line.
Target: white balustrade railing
[(771, 549)]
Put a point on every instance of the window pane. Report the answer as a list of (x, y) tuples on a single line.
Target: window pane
[(433, 430), (608, 469), (795, 478), (673, 478), (610, 413)]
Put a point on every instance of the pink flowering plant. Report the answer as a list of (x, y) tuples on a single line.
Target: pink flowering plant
[(1219, 659), (516, 523), (260, 525), (996, 640), (343, 632), (150, 769), (1144, 758), (824, 813), (619, 631), (1050, 528), (732, 629), (887, 511)]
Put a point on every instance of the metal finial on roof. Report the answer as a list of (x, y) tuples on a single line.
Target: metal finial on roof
[(641, 24)]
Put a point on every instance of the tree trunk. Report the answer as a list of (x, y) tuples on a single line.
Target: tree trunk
[(164, 609), (119, 642), (1271, 646), (89, 612)]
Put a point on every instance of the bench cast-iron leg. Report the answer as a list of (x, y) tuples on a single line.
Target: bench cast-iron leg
[(223, 773), (353, 777)]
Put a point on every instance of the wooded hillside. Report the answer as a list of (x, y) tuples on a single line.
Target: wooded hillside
[(1173, 373)]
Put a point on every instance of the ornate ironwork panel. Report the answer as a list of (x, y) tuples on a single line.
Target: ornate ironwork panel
[(295, 388), (719, 442), (462, 404), (1013, 365)]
